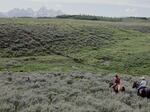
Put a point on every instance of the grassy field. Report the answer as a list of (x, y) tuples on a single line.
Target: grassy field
[(73, 92), (65, 65), (65, 45)]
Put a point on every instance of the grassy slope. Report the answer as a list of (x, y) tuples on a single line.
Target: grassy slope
[(74, 45)]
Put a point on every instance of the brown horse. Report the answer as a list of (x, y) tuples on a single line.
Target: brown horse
[(143, 92), (117, 88)]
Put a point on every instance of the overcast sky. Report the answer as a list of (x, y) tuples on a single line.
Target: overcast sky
[(115, 8)]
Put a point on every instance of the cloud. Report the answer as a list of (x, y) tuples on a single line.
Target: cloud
[(133, 3), (130, 10), (58, 6), (93, 7), (84, 1)]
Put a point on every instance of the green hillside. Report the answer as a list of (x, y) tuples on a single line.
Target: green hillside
[(64, 45)]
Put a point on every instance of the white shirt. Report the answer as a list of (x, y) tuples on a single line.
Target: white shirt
[(143, 83)]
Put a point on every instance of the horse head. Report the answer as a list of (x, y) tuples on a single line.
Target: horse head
[(110, 84), (135, 84)]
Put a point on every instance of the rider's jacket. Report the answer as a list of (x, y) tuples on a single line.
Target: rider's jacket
[(117, 80), (143, 83)]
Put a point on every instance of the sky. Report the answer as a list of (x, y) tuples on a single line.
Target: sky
[(111, 8)]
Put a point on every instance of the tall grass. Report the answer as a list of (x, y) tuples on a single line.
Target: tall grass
[(73, 92)]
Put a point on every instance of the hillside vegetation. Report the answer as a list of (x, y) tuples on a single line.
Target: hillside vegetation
[(102, 18), (64, 45), (73, 92)]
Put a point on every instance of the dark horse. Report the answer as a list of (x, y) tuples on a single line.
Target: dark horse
[(117, 88), (143, 92)]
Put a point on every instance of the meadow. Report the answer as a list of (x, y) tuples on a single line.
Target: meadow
[(65, 45), (65, 65), (72, 92)]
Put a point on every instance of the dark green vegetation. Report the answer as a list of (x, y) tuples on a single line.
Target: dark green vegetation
[(88, 17), (101, 18), (73, 92), (59, 45)]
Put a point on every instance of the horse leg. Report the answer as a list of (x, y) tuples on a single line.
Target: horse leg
[(123, 88), (141, 92), (116, 89), (144, 93), (138, 92)]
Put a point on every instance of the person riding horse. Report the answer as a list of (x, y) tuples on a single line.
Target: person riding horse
[(142, 84), (142, 89), (116, 81), (117, 85)]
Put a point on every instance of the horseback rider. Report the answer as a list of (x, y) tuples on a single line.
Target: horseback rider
[(142, 84), (117, 85), (116, 81)]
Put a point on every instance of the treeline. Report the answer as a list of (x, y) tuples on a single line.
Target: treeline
[(101, 18), (89, 17), (96, 18)]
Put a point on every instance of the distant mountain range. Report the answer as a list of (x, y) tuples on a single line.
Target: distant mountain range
[(42, 12)]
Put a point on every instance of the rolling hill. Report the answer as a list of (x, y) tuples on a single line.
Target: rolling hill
[(64, 45)]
